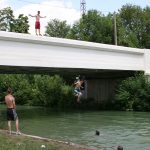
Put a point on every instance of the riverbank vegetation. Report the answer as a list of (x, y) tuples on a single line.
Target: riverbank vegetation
[(134, 93), (43, 90), (38, 90)]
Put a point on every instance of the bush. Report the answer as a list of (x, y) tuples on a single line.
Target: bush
[(38, 90), (134, 93)]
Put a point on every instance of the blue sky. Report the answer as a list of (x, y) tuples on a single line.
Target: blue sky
[(68, 10), (114, 5), (110, 5)]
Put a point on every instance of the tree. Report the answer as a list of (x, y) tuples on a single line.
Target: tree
[(133, 23), (21, 25), (37, 90), (6, 19), (146, 33), (94, 27), (134, 93), (57, 28), (10, 24)]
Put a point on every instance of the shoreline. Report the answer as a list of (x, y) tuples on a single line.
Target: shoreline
[(58, 142)]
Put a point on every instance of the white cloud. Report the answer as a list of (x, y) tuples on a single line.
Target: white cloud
[(3, 4), (60, 9)]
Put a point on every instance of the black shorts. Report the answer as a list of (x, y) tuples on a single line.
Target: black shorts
[(11, 114)]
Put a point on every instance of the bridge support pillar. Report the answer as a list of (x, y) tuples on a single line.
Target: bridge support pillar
[(102, 90)]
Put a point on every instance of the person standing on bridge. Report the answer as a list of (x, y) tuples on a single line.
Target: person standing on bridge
[(37, 22), (11, 111)]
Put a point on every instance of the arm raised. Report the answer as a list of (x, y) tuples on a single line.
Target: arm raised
[(42, 17), (32, 15)]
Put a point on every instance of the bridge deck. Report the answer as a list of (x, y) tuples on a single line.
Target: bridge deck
[(28, 53)]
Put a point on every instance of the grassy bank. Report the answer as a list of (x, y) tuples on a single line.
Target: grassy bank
[(20, 142)]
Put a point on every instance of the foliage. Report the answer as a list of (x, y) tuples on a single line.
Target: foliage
[(9, 23), (20, 24), (6, 19), (21, 90), (146, 32), (38, 90), (93, 27), (134, 93), (42, 90), (134, 26), (57, 28)]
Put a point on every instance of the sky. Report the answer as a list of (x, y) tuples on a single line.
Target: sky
[(68, 10)]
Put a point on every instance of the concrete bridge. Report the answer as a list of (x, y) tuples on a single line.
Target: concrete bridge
[(101, 64)]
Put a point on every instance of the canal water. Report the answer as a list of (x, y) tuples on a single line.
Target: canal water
[(129, 129)]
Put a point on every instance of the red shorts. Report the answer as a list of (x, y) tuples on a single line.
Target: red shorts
[(37, 25)]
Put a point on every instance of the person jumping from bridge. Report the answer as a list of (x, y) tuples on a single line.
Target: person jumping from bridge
[(77, 89), (37, 22)]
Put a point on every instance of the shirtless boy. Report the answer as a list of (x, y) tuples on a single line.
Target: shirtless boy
[(77, 89), (11, 111), (37, 22)]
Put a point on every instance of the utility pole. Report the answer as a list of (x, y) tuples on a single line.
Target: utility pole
[(82, 7), (115, 29)]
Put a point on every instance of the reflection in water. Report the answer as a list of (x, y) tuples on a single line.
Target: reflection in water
[(129, 129)]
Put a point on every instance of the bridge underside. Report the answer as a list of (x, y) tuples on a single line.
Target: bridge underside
[(88, 73)]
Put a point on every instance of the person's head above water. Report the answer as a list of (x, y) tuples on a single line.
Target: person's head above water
[(97, 132), (119, 148)]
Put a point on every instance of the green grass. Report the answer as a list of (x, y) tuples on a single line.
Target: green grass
[(14, 142)]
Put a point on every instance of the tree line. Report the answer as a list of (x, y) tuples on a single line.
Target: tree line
[(133, 30)]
